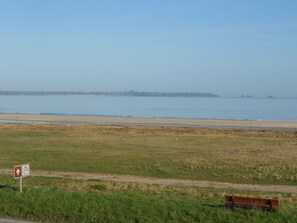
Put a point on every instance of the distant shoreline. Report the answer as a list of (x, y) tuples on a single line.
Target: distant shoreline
[(132, 94), (143, 121), (108, 93)]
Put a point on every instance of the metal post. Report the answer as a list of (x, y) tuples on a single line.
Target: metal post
[(233, 203), (270, 205), (21, 184)]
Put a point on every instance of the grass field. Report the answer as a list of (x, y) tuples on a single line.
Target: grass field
[(60, 200), (241, 156)]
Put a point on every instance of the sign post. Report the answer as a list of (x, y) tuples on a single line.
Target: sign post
[(21, 171), (21, 184)]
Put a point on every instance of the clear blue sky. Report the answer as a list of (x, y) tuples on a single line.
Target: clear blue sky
[(227, 47)]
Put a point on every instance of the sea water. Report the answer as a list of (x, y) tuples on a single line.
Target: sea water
[(175, 107)]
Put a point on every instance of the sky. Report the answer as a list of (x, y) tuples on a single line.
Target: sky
[(226, 47)]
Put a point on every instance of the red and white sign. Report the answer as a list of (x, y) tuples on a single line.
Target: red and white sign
[(21, 171)]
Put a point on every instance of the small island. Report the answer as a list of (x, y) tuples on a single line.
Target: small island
[(246, 96)]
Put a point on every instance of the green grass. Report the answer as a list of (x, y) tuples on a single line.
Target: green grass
[(201, 154), (62, 200), (261, 157)]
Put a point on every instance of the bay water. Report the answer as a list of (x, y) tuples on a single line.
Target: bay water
[(175, 107)]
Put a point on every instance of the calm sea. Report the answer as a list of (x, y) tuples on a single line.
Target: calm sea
[(201, 108)]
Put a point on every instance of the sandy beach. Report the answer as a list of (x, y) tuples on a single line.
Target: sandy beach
[(141, 121)]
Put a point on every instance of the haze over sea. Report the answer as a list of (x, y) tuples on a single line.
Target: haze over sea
[(263, 109)]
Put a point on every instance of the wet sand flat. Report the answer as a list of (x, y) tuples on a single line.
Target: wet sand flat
[(106, 120)]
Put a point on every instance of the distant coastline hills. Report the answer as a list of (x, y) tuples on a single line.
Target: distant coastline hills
[(107, 93)]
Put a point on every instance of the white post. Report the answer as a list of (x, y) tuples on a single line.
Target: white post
[(21, 184)]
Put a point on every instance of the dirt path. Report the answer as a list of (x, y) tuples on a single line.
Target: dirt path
[(160, 181), (2, 220)]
